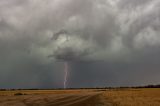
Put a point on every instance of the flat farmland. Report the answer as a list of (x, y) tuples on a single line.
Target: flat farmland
[(50, 98), (81, 97), (133, 97)]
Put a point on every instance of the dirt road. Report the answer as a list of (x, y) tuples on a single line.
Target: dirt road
[(70, 99)]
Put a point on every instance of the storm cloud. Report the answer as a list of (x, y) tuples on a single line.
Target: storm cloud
[(106, 42)]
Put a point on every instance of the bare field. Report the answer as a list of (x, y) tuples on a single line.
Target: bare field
[(112, 97)]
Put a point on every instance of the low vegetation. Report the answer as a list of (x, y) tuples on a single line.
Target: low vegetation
[(18, 94), (103, 97), (133, 97)]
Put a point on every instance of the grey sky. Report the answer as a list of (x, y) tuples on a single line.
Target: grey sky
[(106, 42)]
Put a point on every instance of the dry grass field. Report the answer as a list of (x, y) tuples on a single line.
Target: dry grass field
[(50, 98), (112, 97), (133, 97)]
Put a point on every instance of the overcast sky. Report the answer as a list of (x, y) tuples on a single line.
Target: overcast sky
[(104, 42)]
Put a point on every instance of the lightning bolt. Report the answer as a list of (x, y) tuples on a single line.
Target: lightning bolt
[(65, 74)]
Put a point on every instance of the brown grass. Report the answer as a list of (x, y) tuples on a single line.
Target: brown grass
[(36, 92), (50, 98), (112, 97), (133, 97)]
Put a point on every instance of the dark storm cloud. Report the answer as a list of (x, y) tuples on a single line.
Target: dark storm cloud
[(69, 54), (118, 39), (133, 3), (101, 74)]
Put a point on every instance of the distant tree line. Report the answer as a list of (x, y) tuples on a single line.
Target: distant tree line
[(147, 86)]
